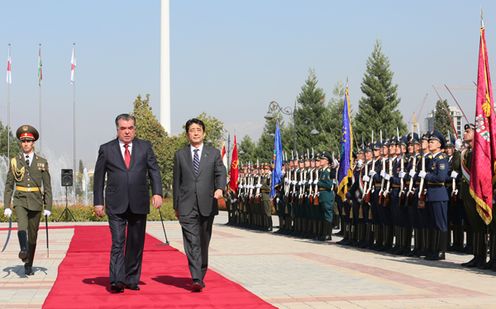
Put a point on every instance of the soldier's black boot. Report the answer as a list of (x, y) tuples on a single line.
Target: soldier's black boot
[(469, 248), (459, 238), (346, 234), (23, 243), (388, 238), (482, 250), (474, 260), (425, 242), (407, 242), (369, 236), (379, 241), (28, 266)]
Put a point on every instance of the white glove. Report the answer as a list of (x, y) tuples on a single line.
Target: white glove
[(402, 175), (454, 174), (7, 212), (258, 185), (422, 174), (366, 178), (383, 174), (316, 181), (359, 163), (335, 163), (387, 176), (372, 173), (293, 182), (47, 213), (412, 173), (458, 144)]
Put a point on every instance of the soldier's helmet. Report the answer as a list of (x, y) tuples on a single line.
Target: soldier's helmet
[(412, 138), (436, 135), (403, 140), (27, 133), (385, 143), (368, 147)]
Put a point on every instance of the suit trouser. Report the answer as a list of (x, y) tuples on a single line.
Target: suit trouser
[(28, 220), (197, 230), (125, 263)]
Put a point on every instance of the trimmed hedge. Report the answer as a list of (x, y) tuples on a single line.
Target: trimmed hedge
[(87, 213)]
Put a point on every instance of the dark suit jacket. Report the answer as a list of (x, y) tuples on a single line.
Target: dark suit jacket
[(126, 188), (188, 188)]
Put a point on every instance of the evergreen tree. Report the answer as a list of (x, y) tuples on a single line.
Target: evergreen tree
[(149, 128), (265, 146), (214, 129), (79, 181), (442, 121), (14, 144), (310, 116), (247, 150), (335, 120), (378, 109)]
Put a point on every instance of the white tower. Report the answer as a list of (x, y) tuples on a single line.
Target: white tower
[(165, 110)]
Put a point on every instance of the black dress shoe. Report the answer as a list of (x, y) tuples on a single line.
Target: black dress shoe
[(28, 270), (117, 287), (133, 287), (197, 285)]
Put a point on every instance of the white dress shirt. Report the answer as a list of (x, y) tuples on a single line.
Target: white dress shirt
[(123, 149)]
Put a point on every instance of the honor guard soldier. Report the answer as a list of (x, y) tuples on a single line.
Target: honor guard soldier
[(437, 197), (28, 181), (477, 227), (326, 195)]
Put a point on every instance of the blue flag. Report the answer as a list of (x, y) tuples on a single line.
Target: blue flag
[(346, 159), (277, 172)]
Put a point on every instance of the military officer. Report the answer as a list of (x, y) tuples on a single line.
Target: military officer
[(28, 181), (326, 186), (437, 196)]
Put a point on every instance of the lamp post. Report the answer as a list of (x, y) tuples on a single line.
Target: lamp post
[(274, 107)]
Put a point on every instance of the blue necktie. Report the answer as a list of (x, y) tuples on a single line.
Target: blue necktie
[(196, 162)]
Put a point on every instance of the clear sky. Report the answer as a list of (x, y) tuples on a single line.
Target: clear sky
[(228, 58)]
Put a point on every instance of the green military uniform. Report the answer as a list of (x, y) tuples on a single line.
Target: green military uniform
[(326, 196), (28, 182)]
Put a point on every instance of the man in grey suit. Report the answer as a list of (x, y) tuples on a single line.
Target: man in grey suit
[(129, 164), (199, 180)]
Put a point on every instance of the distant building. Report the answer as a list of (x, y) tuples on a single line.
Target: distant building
[(456, 115)]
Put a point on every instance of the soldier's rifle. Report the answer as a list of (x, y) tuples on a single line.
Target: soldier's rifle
[(387, 196), (316, 187), (413, 171), (421, 201)]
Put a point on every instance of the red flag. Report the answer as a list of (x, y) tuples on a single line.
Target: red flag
[(484, 152), (233, 180)]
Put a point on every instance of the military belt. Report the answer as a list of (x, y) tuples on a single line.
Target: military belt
[(395, 186), (27, 189), (324, 189), (435, 184)]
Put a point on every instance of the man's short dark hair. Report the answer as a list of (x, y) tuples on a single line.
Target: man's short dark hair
[(194, 121), (125, 117)]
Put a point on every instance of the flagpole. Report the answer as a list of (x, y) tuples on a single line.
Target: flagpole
[(73, 80), (228, 152), (9, 81), (39, 99)]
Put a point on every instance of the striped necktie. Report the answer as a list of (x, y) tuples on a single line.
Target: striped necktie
[(196, 162)]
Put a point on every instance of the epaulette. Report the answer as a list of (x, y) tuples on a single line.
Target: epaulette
[(429, 156), (441, 156)]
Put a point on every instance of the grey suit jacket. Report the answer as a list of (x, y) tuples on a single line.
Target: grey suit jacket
[(188, 188)]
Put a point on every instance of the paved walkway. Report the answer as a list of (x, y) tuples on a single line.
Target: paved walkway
[(287, 272)]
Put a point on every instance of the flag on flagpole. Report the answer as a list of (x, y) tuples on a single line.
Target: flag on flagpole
[(277, 171), (73, 64), (9, 68), (233, 179), (223, 154), (40, 67), (346, 160), (483, 167)]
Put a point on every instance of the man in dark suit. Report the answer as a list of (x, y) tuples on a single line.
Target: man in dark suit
[(199, 180), (128, 163)]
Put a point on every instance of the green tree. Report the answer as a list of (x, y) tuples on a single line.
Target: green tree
[(149, 128), (247, 150), (378, 109), (442, 118), (334, 122), (14, 144), (214, 129), (265, 145), (310, 116)]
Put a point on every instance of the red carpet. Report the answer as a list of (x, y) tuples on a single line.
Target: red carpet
[(83, 281)]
